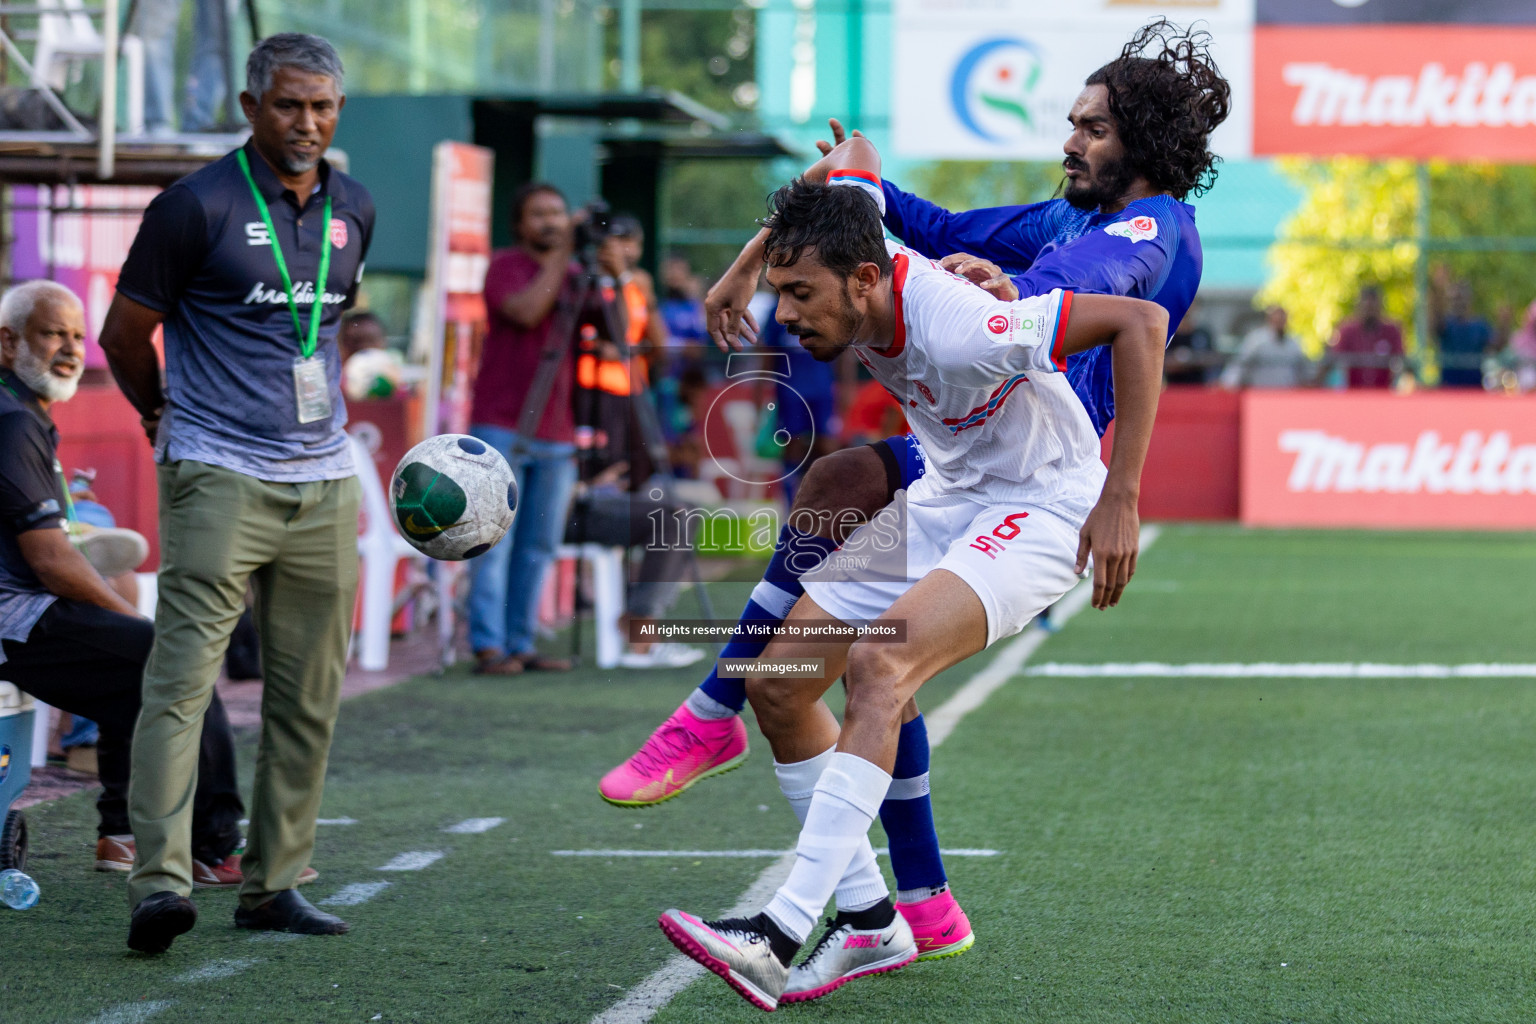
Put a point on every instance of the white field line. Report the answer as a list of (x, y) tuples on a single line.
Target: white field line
[(354, 894), (737, 854), (1282, 670), (413, 861), (216, 970), (1009, 660), (134, 1013), (474, 826), (648, 997)]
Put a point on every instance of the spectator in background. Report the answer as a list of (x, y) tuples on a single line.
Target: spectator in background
[(1192, 354), (1522, 349), (1464, 339), (1269, 357), (207, 88), (359, 331), (1369, 348), (523, 287), (682, 302)]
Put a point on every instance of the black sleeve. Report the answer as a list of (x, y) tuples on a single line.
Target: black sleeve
[(167, 252), (365, 214), (30, 493)]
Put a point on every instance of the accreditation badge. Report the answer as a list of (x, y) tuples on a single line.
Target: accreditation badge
[(311, 389)]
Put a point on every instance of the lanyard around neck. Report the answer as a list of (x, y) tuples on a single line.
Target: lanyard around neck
[(307, 342), (69, 501)]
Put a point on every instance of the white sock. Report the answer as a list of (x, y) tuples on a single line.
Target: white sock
[(706, 707), (797, 781), (834, 840)]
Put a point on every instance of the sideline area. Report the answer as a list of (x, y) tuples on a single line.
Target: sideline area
[(1237, 849)]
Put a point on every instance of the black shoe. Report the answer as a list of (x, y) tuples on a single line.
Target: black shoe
[(290, 912), (158, 919)]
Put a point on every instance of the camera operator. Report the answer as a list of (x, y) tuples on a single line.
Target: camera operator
[(523, 289)]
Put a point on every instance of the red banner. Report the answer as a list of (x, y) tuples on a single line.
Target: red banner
[(1460, 92), (1356, 459)]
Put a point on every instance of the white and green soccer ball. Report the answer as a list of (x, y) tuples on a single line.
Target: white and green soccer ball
[(453, 497)]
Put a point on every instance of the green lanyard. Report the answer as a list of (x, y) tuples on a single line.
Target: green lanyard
[(307, 343), (69, 501)]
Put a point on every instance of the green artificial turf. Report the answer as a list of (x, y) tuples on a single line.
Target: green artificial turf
[(1171, 849)]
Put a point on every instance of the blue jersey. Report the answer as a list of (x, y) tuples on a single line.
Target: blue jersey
[(1149, 250)]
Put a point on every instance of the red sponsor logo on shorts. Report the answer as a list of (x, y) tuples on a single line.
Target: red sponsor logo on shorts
[(338, 233), (1006, 530), (997, 324)]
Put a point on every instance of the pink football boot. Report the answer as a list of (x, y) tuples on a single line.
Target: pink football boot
[(682, 750), (939, 926)]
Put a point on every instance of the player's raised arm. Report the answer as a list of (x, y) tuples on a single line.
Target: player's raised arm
[(725, 306), (1135, 330)]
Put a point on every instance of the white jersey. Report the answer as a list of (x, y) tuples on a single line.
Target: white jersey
[(983, 388)]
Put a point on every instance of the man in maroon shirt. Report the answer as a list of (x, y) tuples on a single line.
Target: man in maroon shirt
[(523, 286), (1368, 347)]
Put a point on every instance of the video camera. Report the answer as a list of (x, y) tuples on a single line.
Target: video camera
[(593, 222)]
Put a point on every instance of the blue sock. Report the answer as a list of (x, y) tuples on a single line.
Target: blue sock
[(795, 555), (907, 816)]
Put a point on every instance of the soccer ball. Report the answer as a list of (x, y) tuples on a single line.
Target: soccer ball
[(453, 496)]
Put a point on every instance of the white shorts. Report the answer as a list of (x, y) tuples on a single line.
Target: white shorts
[(1019, 560)]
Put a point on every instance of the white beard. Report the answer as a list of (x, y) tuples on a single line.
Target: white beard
[(35, 374)]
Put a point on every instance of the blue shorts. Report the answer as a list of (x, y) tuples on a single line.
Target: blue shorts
[(904, 460)]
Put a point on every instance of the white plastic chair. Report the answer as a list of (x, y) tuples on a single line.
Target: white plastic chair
[(70, 35), (607, 596), (42, 725), (381, 550)]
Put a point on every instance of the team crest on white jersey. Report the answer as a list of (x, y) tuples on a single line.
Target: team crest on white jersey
[(1137, 229)]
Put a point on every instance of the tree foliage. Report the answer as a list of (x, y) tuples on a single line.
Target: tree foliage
[(973, 184), (1358, 224)]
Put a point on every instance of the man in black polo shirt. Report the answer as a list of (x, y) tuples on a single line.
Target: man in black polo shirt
[(249, 264), (66, 637)]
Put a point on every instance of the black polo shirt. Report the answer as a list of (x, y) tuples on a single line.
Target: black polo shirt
[(31, 498), (202, 257)]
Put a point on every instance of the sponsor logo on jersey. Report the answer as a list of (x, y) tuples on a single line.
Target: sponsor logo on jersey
[(923, 388), (997, 324), (338, 233), (1137, 229), (304, 295), (256, 233)]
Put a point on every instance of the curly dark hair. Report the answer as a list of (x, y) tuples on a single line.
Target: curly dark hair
[(1167, 96), (840, 222)]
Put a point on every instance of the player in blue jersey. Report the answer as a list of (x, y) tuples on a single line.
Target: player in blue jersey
[(1139, 146)]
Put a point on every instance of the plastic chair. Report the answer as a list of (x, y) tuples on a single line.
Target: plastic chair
[(381, 550), (607, 596)]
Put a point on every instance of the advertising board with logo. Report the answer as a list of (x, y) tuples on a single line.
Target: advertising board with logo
[(79, 237), (456, 265), (995, 79), (1396, 90), (1351, 459)]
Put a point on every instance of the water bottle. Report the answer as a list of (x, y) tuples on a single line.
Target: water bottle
[(17, 890)]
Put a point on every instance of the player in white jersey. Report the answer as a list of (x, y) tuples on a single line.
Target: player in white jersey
[(990, 536)]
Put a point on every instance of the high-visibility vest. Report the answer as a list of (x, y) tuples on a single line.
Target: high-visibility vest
[(611, 375)]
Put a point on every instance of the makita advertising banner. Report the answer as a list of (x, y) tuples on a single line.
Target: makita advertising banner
[(1456, 91), (1350, 459)]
